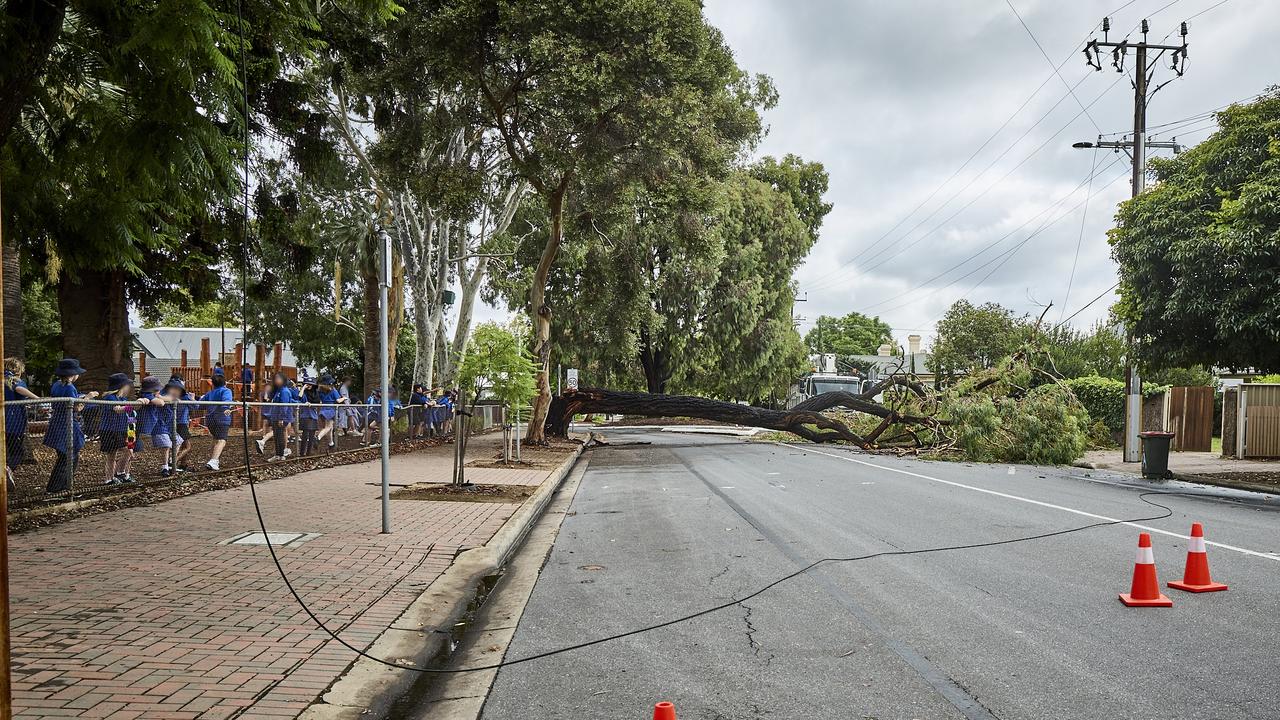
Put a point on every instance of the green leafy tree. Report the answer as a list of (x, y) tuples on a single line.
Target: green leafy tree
[(496, 364), (975, 337), (852, 334), (579, 90), (1199, 252)]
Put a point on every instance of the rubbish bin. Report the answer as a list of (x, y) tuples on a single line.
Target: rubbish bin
[(1155, 454)]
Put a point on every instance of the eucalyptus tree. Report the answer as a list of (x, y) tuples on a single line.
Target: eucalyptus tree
[(575, 89)]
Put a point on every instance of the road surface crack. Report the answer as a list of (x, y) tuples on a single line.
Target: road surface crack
[(756, 647), (718, 575)]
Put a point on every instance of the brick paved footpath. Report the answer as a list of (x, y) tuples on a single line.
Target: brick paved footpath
[(141, 613)]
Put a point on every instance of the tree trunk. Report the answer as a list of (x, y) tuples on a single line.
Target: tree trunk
[(540, 314), (33, 29), (654, 364), (95, 325), (15, 337), (466, 311), (807, 424), (372, 362)]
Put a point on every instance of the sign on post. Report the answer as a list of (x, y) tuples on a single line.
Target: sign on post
[(571, 380)]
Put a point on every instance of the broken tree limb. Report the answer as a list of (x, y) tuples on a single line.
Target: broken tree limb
[(810, 425), (806, 420)]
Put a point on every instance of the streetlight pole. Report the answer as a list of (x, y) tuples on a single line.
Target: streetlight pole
[(1139, 145), (384, 370)]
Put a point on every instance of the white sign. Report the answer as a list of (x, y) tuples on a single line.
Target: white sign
[(571, 380)]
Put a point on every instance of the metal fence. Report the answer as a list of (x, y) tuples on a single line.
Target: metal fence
[(61, 449)]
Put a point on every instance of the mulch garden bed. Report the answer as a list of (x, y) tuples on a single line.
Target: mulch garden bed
[(467, 493)]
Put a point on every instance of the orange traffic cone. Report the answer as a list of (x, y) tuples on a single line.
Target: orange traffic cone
[(1146, 588), (1195, 578), (664, 711)]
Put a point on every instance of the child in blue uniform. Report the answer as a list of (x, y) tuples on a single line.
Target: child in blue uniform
[(118, 430), (280, 415), (15, 416), (65, 434), (177, 392), (329, 399), (308, 415), (217, 418), (153, 421)]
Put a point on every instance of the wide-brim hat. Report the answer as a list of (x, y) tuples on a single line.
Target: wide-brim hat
[(68, 367), (219, 372), (118, 381), (151, 384), (175, 382), (326, 379)]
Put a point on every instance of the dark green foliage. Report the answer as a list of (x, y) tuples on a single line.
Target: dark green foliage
[(1199, 252), (853, 334)]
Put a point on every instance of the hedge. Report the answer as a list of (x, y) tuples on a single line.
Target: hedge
[(1104, 398)]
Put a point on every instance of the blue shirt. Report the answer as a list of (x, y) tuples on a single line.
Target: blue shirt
[(216, 414), (329, 399), (153, 420), (284, 396), (15, 416), (64, 414), (184, 411), (113, 421)]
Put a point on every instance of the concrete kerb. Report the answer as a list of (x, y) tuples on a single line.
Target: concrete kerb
[(369, 689)]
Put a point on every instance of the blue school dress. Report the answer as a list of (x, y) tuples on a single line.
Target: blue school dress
[(15, 416), (64, 413), (329, 409)]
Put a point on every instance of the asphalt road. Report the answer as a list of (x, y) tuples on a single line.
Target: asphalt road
[(1022, 630)]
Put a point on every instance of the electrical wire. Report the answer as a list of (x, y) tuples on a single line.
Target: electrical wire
[(1075, 260), (1056, 68), (1084, 307), (1088, 181)]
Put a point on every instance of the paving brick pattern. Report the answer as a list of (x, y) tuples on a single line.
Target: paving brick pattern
[(141, 613)]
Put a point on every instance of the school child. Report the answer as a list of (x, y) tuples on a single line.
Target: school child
[(217, 418), (329, 400), (15, 416), (419, 412), (177, 391), (118, 430), (65, 434), (154, 421), (348, 419), (373, 405), (279, 415), (445, 402), (308, 416)]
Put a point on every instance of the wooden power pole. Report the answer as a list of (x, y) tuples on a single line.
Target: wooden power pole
[(1142, 75)]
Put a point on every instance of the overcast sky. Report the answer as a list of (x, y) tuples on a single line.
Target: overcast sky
[(893, 97)]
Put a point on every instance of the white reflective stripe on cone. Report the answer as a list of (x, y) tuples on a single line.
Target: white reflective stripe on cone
[(1196, 545), (1145, 556)]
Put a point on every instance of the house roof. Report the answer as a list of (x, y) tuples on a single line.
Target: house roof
[(917, 363), (165, 344)]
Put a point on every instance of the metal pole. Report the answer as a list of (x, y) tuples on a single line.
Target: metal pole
[(517, 432), (1133, 382), (384, 361)]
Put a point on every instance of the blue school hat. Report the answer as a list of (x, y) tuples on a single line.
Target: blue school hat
[(68, 367), (118, 381)]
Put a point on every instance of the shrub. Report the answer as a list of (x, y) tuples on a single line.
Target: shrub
[(1102, 397)]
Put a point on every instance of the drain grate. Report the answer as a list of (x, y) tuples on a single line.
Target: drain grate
[(278, 539)]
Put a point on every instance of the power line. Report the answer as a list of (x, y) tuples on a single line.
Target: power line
[(1057, 68), (1088, 180), (1079, 241), (823, 278), (1084, 307), (903, 248)]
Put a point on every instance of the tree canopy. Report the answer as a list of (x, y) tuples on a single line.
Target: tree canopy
[(1199, 251), (852, 334)]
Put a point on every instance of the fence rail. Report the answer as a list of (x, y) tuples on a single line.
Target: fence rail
[(60, 449)]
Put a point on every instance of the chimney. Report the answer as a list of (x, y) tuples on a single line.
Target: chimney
[(885, 350), (913, 343)]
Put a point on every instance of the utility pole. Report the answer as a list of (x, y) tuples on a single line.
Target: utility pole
[(1141, 96), (6, 690)]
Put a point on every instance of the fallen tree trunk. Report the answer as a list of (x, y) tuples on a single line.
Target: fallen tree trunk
[(806, 422)]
